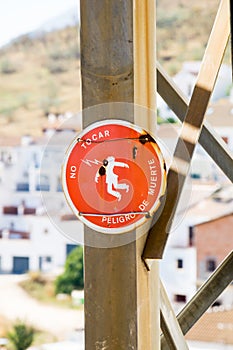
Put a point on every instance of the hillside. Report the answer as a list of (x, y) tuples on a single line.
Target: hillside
[(40, 75), (183, 30)]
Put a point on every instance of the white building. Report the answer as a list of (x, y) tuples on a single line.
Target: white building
[(29, 238), (180, 266), (186, 79), (33, 244), (220, 116), (178, 272)]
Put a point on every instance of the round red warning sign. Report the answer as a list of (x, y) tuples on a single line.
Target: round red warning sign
[(113, 176)]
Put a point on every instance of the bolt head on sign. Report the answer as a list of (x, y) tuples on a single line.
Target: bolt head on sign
[(113, 176)]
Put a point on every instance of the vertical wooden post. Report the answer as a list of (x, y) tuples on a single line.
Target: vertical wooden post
[(145, 87), (120, 293)]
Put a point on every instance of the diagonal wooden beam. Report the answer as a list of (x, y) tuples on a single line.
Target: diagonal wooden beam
[(169, 324), (204, 297), (209, 139), (207, 294), (190, 133)]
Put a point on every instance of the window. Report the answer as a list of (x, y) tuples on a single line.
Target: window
[(22, 187), (191, 236), (210, 265), (216, 303), (195, 176), (179, 298), (48, 259), (42, 187), (29, 211), (43, 183), (10, 210), (180, 264), (69, 248)]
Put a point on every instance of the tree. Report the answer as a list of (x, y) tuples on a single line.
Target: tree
[(21, 336), (72, 278)]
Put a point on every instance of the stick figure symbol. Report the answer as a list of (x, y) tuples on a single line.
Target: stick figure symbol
[(111, 178)]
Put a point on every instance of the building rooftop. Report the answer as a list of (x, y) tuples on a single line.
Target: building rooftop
[(213, 206), (10, 141), (214, 326)]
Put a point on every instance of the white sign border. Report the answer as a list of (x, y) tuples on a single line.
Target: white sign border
[(82, 218)]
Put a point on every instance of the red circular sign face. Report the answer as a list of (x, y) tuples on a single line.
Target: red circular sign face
[(113, 176)]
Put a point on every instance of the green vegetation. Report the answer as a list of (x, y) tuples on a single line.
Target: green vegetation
[(21, 336), (38, 76), (45, 290), (19, 329), (183, 29), (7, 67), (72, 278), (161, 120)]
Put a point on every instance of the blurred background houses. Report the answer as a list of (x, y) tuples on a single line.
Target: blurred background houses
[(40, 100)]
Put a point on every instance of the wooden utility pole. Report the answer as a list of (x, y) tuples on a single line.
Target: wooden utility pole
[(118, 65), (121, 293)]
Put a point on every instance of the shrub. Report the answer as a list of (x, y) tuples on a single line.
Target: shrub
[(64, 54), (37, 277), (171, 120), (57, 55), (56, 67), (7, 67), (21, 336), (72, 278), (46, 103)]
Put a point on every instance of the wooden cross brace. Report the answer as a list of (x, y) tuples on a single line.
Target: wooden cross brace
[(190, 134)]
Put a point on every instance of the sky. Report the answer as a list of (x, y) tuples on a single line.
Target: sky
[(21, 16)]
